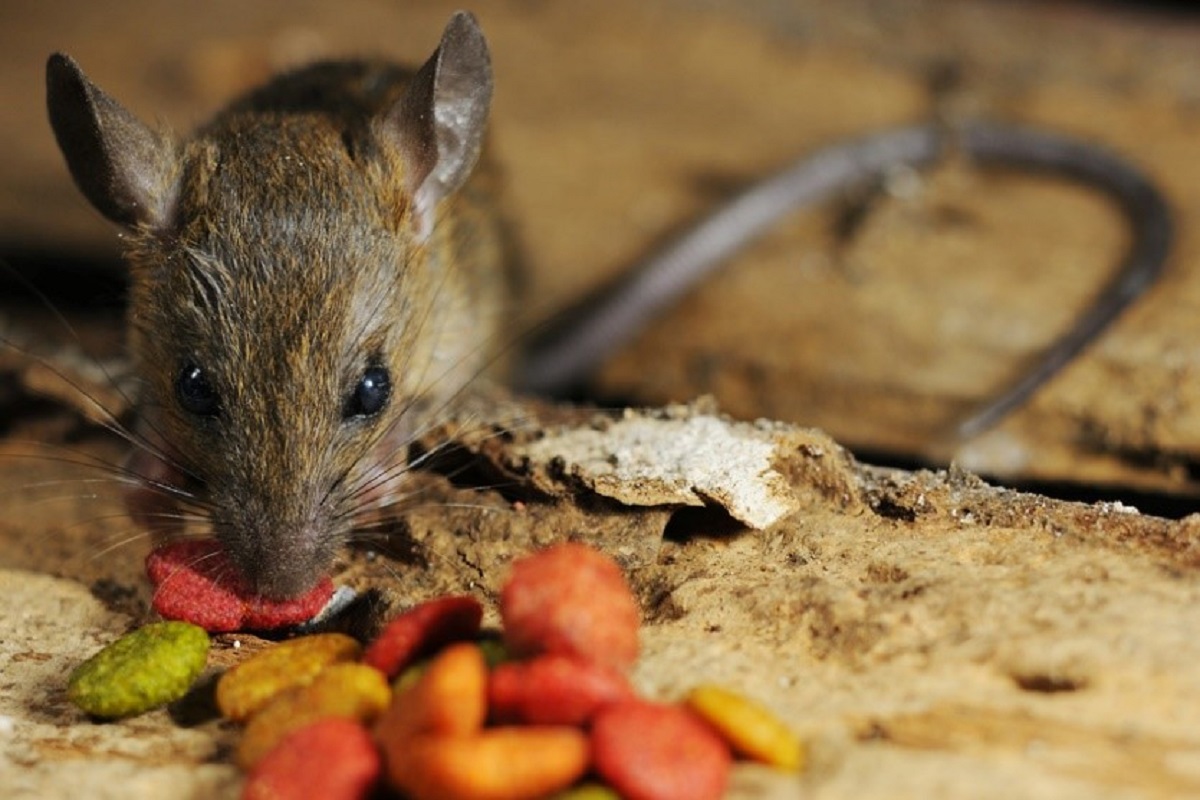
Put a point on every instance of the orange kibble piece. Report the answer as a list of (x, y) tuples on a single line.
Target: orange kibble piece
[(252, 684), (352, 691), (749, 728), (449, 698), (497, 764)]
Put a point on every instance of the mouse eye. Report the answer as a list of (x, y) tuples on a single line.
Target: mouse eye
[(195, 394), (370, 395)]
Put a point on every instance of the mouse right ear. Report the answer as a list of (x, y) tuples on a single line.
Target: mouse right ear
[(438, 125), (125, 169)]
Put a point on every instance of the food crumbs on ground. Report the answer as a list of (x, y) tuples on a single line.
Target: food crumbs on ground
[(422, 630), (145, 669), (553, 690), (574, 600), (654, 751), (497, 764), (250, 685), (749, 728), (331, 759), (348, 690), (196, 582)]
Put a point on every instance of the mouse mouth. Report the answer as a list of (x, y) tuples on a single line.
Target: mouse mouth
[(274, 563), (196, 581)]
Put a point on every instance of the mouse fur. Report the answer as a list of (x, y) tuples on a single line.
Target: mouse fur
[(315, 274)]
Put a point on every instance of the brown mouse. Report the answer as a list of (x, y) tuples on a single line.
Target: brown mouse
[(315, 274), (318, 272)]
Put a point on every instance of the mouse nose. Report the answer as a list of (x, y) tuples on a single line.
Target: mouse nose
[(280, 561)]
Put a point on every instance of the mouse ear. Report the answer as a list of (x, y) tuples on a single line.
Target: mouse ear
[(438, 125), (123, 167)]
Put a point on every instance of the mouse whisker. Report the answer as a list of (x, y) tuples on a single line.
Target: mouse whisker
[(117, 473), (107, 419), (395, 471), (131, 535), (127, 539)]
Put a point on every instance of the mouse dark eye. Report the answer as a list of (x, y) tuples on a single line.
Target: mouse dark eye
[(195, 393), (370, 395)]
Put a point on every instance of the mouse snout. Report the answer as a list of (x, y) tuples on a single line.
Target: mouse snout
[(279, 556)]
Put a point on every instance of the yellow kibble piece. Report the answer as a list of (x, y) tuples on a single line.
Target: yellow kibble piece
[(249, 686), (751, 730), (354, 691)]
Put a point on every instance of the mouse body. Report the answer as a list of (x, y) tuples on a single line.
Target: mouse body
[(320, 270), (315, 274)]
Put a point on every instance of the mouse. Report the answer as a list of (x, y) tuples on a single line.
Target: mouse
[(318, 272), (315, 275)]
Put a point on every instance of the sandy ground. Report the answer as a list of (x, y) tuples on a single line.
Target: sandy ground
[(928, 634)]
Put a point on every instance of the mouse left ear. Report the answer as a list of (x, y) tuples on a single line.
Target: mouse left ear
[(126, 169), (438, 125)]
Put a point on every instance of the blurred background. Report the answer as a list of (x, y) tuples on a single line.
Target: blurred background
[(883, 317)]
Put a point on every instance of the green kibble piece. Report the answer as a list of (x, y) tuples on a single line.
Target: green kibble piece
[(409, 677), (494, 652), (142, 670)]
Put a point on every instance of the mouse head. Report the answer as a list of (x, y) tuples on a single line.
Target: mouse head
[(289, 265)]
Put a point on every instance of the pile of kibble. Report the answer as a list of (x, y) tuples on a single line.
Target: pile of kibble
[(438, 710)]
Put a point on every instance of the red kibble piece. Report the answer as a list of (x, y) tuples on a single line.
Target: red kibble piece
[(186, 589), (652, 751), (196, 582), (553, 690), (334, 759), (573, 600), (265, 614), (421, 631)]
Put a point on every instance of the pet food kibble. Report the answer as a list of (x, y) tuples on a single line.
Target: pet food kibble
[(423, 630), (331, 759), (409, 676), (449, 698), (494, 652), (348, 690), (145, 669), (553, 690), (751, 730), (651, 751), (587, 791), (196, 582), (497, 764), (250, 685), (573, 600), (265, 614)]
